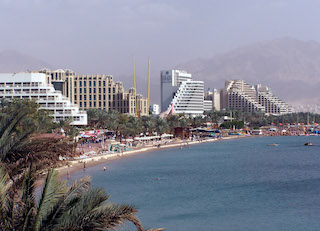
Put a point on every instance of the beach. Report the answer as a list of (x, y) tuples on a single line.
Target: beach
[(81, 164)]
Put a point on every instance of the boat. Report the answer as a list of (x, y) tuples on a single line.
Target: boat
[(309, 144), (274, 144)]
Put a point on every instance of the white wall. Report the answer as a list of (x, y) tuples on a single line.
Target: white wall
[(22, 77)]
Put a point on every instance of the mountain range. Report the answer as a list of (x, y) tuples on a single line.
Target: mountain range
[(290, 67), (14, 61)]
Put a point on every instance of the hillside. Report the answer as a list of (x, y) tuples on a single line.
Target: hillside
[(13, 61)]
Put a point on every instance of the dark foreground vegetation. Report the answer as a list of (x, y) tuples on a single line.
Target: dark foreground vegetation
[(24, 155)]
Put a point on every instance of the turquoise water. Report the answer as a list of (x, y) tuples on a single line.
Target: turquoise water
[(226, 185)]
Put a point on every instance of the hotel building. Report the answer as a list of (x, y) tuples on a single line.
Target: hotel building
[(239, 95), (214, 96), (35, 86), (97, 91), (180, 94)]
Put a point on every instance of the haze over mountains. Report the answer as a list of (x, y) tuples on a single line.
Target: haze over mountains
[(289, 66), (14, 61)]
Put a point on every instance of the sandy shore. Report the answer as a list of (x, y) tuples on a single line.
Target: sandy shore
[(76, 165)]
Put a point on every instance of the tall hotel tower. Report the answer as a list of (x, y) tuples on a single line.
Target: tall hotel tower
[(181, 93)]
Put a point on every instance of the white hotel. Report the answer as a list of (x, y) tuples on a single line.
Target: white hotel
[(182, 94), (34, 86), (239, 95)]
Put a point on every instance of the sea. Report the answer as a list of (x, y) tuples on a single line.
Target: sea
[(240, 184)]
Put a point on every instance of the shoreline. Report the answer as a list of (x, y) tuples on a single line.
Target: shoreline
[(78, 165)]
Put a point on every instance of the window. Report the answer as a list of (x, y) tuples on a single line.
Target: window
[(104, 83), (75, 91), (89, 83), (80, 97), (80, 104), (94, 104), (89, 90), (104, 90), (85, 104), (90, 98), (80, 90), (84, 90), (84, 83), (75, 83), (90, 104), (100, 90), (99, 97), (94, 97), (104, 97), (75, 98), (80, 84), (94, 90), (99, 83), (94, 83), (114, 90), (85, 97)]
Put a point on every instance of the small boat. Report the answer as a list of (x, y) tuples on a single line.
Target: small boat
[(274, 144), (309, 144)]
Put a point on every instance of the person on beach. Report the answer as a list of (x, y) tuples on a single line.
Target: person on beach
[(104, 168), (84, 166)]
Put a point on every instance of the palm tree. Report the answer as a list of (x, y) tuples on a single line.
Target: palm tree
[(150, 125), (97, 117), (11, 134), (173, 122), (197, 121), (161, 126), (60, 207)]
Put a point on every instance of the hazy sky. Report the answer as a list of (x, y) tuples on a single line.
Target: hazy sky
[(100, 36)]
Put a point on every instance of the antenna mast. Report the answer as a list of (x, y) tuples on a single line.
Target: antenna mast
[(148, 84), (135, 89)]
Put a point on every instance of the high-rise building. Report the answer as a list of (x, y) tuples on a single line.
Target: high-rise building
[(34, 86), (214, 96), (216, 100), (180, 93), (97, 91), (239, 95)]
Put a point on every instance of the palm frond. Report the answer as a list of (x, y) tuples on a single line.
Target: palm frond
[(28, 199), (6, 200), (78, 214), (70, 199), (52, 193)]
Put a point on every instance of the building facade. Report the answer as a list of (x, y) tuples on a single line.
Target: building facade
[(239, 95), (180, 94), (34, 86), (207, 105), (154, 109), (97, 91), (214, 96)]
